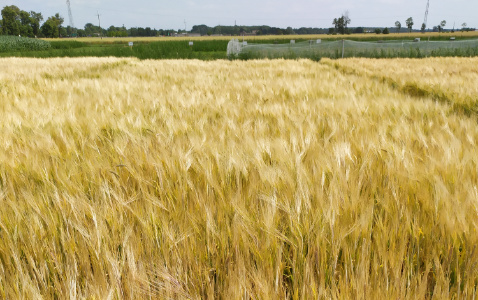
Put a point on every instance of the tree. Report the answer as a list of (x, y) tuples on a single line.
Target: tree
[(386, 31), (49, 29), (441, 26), (10, 20), (36, 18), (90, 29), (335, 22), (341, 23), (70, 31), (398, 25), (359, 30), (409, 23), (59, 21), (19, 22), (463, 26), (201, 29), (423, 27), (94, 30), (378, 31), (25, 26), (52, 27)]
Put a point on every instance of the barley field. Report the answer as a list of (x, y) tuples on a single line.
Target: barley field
[(451, 80), (271, 179)]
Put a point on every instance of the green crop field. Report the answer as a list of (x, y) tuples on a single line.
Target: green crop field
[(211, 48), (11, 44), (172, 49)]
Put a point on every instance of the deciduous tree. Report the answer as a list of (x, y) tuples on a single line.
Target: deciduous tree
[(409, 23), (398, 25), (25, 24), (36, 19), (11, 20), (441, 26), (52, 27), (342, 23)]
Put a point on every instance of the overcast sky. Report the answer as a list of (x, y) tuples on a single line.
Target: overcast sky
[(278, 13)]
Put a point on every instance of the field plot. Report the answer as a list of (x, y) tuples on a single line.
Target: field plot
[(312, 47), (451, 80), (365, 36), (316, 49), (265, 179)]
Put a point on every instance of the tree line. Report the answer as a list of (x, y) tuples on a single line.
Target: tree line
[(256, 30), (20, 22), (341, 26), (30, 24)]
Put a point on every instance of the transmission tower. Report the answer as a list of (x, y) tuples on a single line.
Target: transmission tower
[(426, 15), (70, 15)]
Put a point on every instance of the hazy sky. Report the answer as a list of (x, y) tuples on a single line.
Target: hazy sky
[(279, 13)]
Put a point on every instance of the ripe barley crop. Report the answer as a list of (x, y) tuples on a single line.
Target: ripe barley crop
[(451, 80), (122, 178), (364, 36)]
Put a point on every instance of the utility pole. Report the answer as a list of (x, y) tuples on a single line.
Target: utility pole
[(185, 26), (99, 23)]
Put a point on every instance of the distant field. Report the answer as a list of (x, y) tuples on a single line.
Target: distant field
[(213, 48), (270, 179), (172, 49), (373, 36)]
